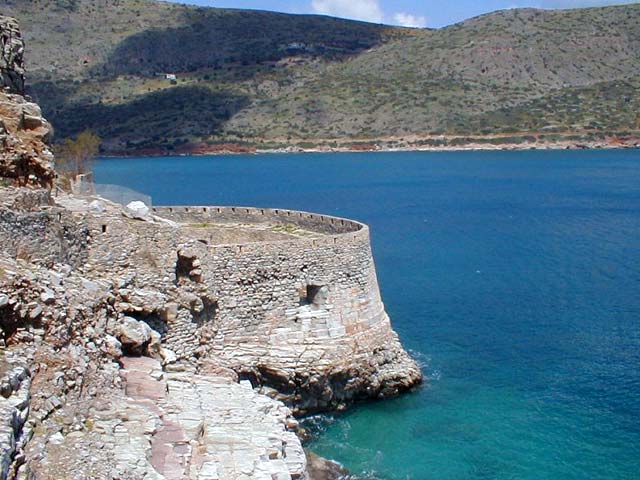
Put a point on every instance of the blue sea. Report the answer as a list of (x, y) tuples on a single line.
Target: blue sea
[(513, 277)]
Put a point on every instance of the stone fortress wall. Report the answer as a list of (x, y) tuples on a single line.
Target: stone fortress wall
[(293, 309), (288, 300), (324, 224)]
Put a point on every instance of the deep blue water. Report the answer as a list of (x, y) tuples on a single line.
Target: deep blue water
[(513, 276)]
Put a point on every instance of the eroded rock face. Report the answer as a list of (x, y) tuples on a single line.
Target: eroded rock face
[(12, 51), (25, 158), (14, 409)]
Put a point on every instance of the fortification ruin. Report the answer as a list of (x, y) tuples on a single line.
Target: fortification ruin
[(287, 299), (173, 342)]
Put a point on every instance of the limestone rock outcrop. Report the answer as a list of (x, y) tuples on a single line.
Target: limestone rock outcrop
[(25, 158), (12, 51), (14, 409)]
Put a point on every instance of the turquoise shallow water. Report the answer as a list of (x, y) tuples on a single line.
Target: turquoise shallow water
[(514, 277)]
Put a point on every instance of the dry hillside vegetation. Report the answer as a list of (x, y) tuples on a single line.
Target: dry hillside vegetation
[(262, 78)]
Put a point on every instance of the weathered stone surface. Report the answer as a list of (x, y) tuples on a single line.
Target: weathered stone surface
[(33, 230), (303, 316), (25, 159), (112, 346), (300, 317), (12, 51), (137, 210), (168, 348), (203, 427), (134, 335), (14, 409)]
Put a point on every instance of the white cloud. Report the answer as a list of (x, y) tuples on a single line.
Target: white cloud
[(408, 20), (367, 10)]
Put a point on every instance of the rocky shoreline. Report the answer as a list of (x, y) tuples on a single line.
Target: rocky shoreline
[(535, 141), (127, 353), (173, 343)]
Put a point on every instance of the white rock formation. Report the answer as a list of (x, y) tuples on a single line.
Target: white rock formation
[(136, 210)]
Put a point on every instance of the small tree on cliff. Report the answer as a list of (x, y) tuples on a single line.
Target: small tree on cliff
[(75, 154)]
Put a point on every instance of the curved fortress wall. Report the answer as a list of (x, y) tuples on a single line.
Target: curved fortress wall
[(325, 224), (302, 315), (288, 300)]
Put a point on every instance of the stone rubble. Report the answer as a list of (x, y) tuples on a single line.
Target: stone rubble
[(136, 210), (14, 410)]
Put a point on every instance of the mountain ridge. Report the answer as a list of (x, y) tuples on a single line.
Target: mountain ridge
[(256, 78)]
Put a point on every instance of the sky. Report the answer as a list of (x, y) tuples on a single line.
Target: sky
[(410, 13)]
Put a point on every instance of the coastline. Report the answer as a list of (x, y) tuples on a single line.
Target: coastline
[(424, 144)]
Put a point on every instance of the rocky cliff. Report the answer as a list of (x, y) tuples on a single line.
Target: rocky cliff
[(25, 158), (176, 343), (12, 62)]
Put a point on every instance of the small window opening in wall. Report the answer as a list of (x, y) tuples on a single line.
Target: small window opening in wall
[(315, 296), (207, 314), (104, 229)]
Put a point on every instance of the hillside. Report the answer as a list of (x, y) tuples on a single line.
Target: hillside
[(267, 79)]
